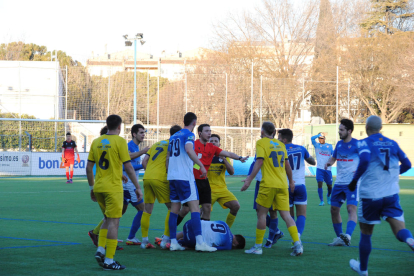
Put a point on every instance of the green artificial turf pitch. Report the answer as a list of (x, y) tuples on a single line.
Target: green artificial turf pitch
[(44, 226)]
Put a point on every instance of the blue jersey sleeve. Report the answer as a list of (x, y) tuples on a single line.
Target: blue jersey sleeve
[(306, 154), (190, 138), (405, 162), (313, 139), (332, 149), (364, 152), (335, 151)]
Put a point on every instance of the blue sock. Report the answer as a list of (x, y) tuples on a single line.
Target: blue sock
[(172, 223), (300, 224), (272, 229), (267, 220), (350, 227), (136, 224), (195, 222), (320, 193), (364, 251), (337, 228), (329, 190), (403, 235)]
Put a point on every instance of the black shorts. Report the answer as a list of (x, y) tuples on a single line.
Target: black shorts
[(204, 191)]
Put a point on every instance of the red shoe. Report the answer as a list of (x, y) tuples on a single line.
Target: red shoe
[(119, 248), (94, 237), (158, 241), (147, 245)]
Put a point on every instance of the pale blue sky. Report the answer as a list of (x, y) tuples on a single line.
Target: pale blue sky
[(80, 27)]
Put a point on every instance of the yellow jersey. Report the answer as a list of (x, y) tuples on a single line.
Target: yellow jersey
[(274, 155), (156, 164), (108, 152), (217, 173)]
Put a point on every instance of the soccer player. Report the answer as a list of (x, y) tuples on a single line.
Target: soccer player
[(156, 186), (217, 178), (378, 171), (215, 233), (297, 157), (272, 159), (68, 156), (138, 136), (323, 152), (180, 161), (347, 158), (109, 152)]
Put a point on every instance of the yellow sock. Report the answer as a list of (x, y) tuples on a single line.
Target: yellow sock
[(102, 237), (97, 228), (167, 226), (230, 219), (293, 231), (145, 222), (260, 235), (111, 248)]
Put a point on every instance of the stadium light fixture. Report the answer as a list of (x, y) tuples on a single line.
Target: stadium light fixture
[(128, 42)]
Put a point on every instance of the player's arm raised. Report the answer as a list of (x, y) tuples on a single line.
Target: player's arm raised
[(229, 167), (256, 168), (91, 180), (232, 155), (145, 161), (193, 156), (134, 155)]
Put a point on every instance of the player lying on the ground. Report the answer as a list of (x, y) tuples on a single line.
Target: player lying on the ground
[(323, 152), (297, 157), (68, 156), (378, 171), (347, 158), (215, 233), (156, 186)]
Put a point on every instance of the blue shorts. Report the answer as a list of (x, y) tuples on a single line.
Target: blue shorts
[(256, 191), (299, 196), (183, 191), (324, 176), (131, 197), (370, 211), (340, 193)]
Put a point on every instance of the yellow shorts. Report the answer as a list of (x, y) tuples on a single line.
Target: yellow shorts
[(154, 188), (276, 197), (111, 203), (222, 196)]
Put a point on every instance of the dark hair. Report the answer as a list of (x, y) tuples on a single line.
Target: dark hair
[(215, 135), (201, 127), (286, 134), (348, 124), (104, 130), (135, 128), (269, 128), (174, 129), (189, 118), (241, 240), (113, 121), (68, 133)]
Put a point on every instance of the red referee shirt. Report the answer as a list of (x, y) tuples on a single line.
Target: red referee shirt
[(205, 153)]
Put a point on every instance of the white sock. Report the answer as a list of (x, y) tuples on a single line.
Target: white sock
[(174, 241), (278, 232), (109, 261), (145, 240), (258, 245), (101, 250), (165, 238), (199, 239)]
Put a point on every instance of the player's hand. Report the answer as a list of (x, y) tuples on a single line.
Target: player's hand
[(139, 194), (244, 159), (64, 160), (203, 172), (246, 185), (327, 165), (352, 185), (93, 196), (78, 159), (292, 186), (124, 179), (324, 133)]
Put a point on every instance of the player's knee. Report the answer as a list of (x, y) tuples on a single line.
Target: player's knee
[(335, 210), (351, 209)]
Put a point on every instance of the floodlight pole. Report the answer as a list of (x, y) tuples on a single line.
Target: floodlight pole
[(135, 81)]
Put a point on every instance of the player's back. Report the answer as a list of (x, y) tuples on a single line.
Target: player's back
[(347, 159), (156, 163), (297, 155), (180, 166), (109, 152), (382, 175), (217, 233), (273, 152)]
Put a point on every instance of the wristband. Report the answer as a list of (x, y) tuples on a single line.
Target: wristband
[(91, 187)]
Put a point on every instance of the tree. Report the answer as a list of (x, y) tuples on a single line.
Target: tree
[(389, 17)]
